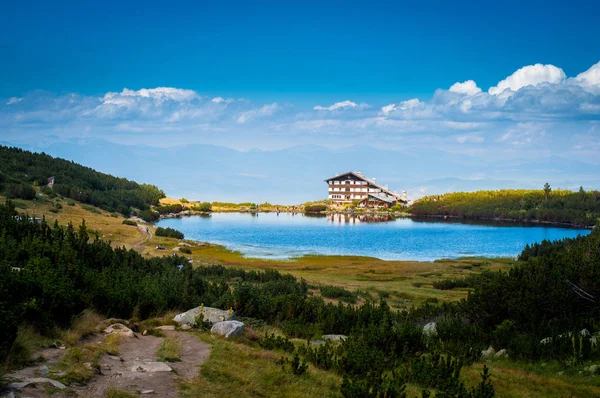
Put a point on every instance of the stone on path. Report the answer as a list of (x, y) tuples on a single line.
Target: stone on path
[(166, 327), (212, 315), (37, 380), (430, 330), (501, 354), (228, 329), (120, 329), (151, 367), (335, 337)]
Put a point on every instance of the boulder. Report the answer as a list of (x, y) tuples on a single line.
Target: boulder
[(37, 380), (120, 329), (335, 337), (485, 354), (592, 369), (151, 367), (228, 329), (501, 354), (212, 315), (429, 330)]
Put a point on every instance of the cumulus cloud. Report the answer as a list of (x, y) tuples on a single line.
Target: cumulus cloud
[(590, 79), (401, 106), (14, 100), (468, 87), (531, 75), (338, 105), (536, 104)]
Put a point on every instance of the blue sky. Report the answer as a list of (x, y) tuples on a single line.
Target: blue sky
[(509, 81), (285, 50)]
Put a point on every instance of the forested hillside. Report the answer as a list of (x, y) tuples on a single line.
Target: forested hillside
[(580, 208), (21, 171)]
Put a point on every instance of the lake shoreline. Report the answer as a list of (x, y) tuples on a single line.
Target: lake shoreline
[(190, 213), (283, 237)]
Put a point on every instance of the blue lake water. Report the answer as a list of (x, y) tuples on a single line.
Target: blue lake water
[(269, 235)]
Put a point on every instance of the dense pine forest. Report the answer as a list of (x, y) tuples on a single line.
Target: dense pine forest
[(21, 170), (49, 274), (558, 206)]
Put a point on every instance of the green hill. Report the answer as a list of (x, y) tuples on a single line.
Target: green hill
[(560, 206), (21, 171)]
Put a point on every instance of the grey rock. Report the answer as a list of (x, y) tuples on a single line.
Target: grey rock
[(9, 395), (119, 328), (151, 367), (485, 354), (166, 327), (43, 370), (501, 354), (592, 369), (335, 337), (185, 327), (147, 392), (228, 329), (212, 315), (115, 358), (37, 380), (430, 330)]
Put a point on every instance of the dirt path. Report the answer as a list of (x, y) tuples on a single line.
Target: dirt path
[(147, 237), (122, 372), (119, 372)]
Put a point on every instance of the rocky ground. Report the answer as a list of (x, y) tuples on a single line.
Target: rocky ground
[(135, 369)]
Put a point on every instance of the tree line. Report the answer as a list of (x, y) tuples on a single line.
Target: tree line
[(558, 206)]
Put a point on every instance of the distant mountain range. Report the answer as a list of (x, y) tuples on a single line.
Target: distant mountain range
[(296, 174)]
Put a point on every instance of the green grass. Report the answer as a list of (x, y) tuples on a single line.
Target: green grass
[(238, 370), (114, 393), (24, 348), (170, 350)]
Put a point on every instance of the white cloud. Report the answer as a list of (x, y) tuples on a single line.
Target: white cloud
[(336, 106), (386, 110), (264, 111), (159, 94), (531, 75), (401, 107), (411, 103), (524, 133), (468, 87), (218, 100), (14, 100), (590, 78)]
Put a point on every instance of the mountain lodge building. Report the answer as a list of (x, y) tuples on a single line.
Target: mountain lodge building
[(354, 186)]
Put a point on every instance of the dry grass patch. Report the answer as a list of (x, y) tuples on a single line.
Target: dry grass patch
[(22, 351), (83, 325), (525, 380)]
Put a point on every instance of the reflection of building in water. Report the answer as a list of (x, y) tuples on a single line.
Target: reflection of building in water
[(353, 186), (358, 218)]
